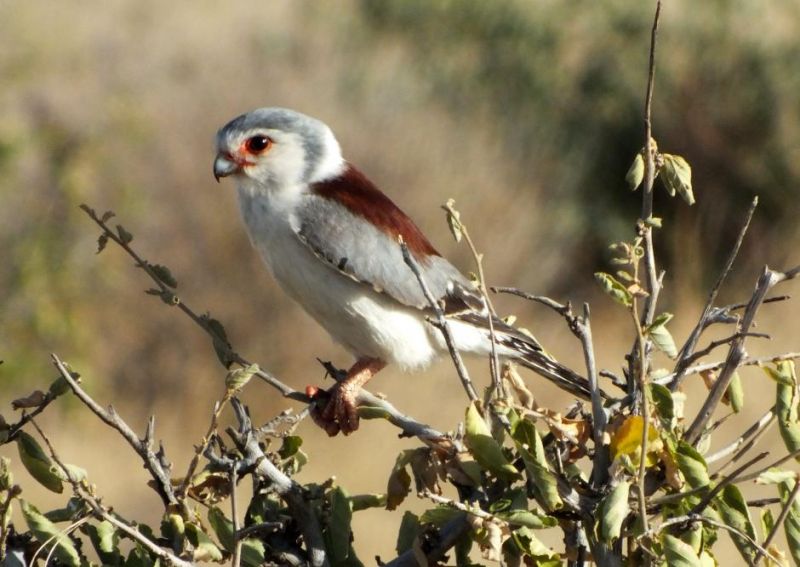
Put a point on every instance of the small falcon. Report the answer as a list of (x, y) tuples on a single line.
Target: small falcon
[(330, 238)]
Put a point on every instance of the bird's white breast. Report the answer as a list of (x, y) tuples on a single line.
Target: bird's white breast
[(364, 321)]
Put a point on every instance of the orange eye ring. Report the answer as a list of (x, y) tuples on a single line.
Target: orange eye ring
[(257, 144)]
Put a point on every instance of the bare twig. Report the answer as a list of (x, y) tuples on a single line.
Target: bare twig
[(747, 361), (200, 449), (237, 549), (781, 518), (292, 493), (686, 351), (755, 429), (769, 278), (441, 324), (142, 447), (765, 468), (725, 482)]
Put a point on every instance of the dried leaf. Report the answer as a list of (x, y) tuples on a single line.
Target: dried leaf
[(33, 400), (627, 440), (399, 484), (102, 240), (453, 220)]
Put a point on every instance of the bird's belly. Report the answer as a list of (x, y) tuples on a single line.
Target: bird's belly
[(364, 321)]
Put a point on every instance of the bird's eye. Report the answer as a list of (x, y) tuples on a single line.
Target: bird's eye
[(257, 144)]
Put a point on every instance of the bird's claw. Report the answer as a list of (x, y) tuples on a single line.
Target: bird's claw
[(340, 412)]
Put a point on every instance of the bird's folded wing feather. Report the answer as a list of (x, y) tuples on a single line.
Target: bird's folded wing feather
[(366, 253)]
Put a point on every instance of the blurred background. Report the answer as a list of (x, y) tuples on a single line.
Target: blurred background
[(528, 114)]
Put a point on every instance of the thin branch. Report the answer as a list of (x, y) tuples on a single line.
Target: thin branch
[(769, 278), (781, 518), (237, 549), (441, 324), (758, 426), (200, 449), (151, 460), (721, 342), (686, 351), (99, 511), (653, 283), (755, 474), (292, 493), (747, 361), (725, 482)]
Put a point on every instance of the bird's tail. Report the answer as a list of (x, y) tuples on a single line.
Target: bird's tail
[(526, 351)]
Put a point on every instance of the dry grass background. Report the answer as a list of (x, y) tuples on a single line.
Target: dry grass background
[(116, 105)]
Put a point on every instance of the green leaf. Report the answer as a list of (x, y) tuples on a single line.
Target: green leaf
[(734, 511), (254, 554), (614, 288), (791, 525), (786, 403), (544, 482), (102, 240), (679, 553), (767, 522), (204, 548), (219, 339), (59, 387), (338, 531), (676, 174), (140, 557), (692, 465), (237, 378), (372, 412), (124, 236), (613, 510), (662, 399), (635, 174), (531, 546), (661, 337), (165, 275), (488, 452), (735, 393), (49, 535), (105, 540), (38, 463), (223, 528), (360, 502), (291, 444), (527, 519), (409, 530), (440, 515)]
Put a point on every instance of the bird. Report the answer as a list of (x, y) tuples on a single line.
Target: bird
[(331, 240)]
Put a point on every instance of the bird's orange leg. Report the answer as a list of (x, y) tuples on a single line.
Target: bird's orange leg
[(340, 412)]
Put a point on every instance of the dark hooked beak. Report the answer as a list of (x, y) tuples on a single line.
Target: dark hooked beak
[(225, 166)]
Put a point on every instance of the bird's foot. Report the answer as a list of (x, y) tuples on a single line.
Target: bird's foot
[(340, 412)]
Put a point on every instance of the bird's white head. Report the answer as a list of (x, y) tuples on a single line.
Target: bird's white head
[(277, 149)]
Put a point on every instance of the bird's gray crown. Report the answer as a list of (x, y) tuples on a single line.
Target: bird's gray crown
[(314, 134)]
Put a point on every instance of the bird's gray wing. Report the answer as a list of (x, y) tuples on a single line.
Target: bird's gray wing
[(359, 250)]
